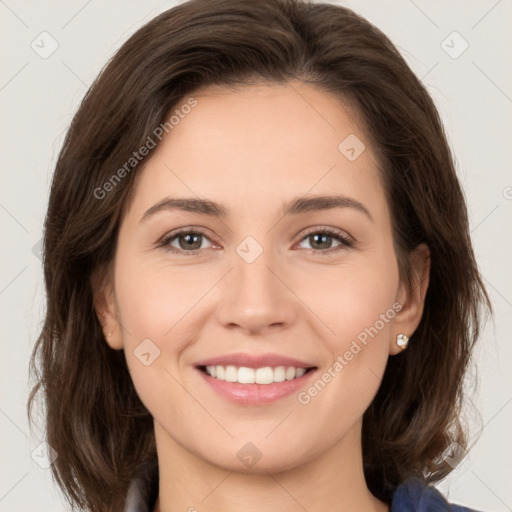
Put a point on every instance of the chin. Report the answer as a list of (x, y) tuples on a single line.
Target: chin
[(249, 459)]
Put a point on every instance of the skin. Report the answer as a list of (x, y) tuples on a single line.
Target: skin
[(253, 150)]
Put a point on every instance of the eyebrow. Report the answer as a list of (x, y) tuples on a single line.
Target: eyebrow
[(297, 206)]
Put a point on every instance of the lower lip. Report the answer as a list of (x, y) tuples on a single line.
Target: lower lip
[(256, 393)]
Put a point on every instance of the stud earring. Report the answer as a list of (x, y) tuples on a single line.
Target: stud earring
[(110, 333), (402, 340)]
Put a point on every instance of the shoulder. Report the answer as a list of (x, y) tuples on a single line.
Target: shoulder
[(414, 495)]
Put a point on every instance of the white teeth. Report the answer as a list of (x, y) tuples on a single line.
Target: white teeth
[(245, 375), (231, 374), (279, 374), (265, 375)]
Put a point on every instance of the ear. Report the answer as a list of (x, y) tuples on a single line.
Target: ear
[(412, 299), (105, 307)]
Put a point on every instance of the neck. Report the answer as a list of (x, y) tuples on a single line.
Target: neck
[(333, 481)]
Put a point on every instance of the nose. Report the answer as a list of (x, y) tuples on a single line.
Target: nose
[(256, 297)]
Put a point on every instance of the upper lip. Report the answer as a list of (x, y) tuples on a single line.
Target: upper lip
[(254, 361)]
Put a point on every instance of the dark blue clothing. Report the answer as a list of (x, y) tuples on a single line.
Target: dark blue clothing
[(411, 496), (415, 496)]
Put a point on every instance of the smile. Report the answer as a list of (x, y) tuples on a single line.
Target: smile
[(265, 375), (254, 379), (255, 386)]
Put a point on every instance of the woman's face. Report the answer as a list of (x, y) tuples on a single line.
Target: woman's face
[(269, 272)]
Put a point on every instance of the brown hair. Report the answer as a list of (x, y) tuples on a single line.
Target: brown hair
[(94, 418)]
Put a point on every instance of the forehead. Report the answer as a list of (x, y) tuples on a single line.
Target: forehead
[(292, 120), (258, 143)]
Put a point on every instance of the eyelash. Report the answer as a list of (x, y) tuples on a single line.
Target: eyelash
[(345, 241)]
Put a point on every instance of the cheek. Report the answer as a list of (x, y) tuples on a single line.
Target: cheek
[(155, 306), (359, 307), (356, 299), (361, 318), (154, 301), (362, 313)]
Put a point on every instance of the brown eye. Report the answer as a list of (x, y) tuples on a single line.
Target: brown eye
[(185, 242), (190, 241), (327, 241), (320, 241)]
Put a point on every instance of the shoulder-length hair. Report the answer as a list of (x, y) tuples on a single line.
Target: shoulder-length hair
[(94, 417)]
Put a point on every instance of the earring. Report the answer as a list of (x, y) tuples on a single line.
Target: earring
[(110, 333), (402, 340)]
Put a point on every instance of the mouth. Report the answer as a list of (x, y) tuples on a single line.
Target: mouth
[(265, 375), (253, 379)]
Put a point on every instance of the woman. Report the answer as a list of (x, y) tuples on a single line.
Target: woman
[(261, 289)]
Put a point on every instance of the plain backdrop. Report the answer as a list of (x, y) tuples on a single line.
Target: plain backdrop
[(50, 53)]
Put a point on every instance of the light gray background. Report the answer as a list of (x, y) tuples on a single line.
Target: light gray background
[(38, 97)]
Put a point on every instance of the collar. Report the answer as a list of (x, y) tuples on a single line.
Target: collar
[(414, 495)]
